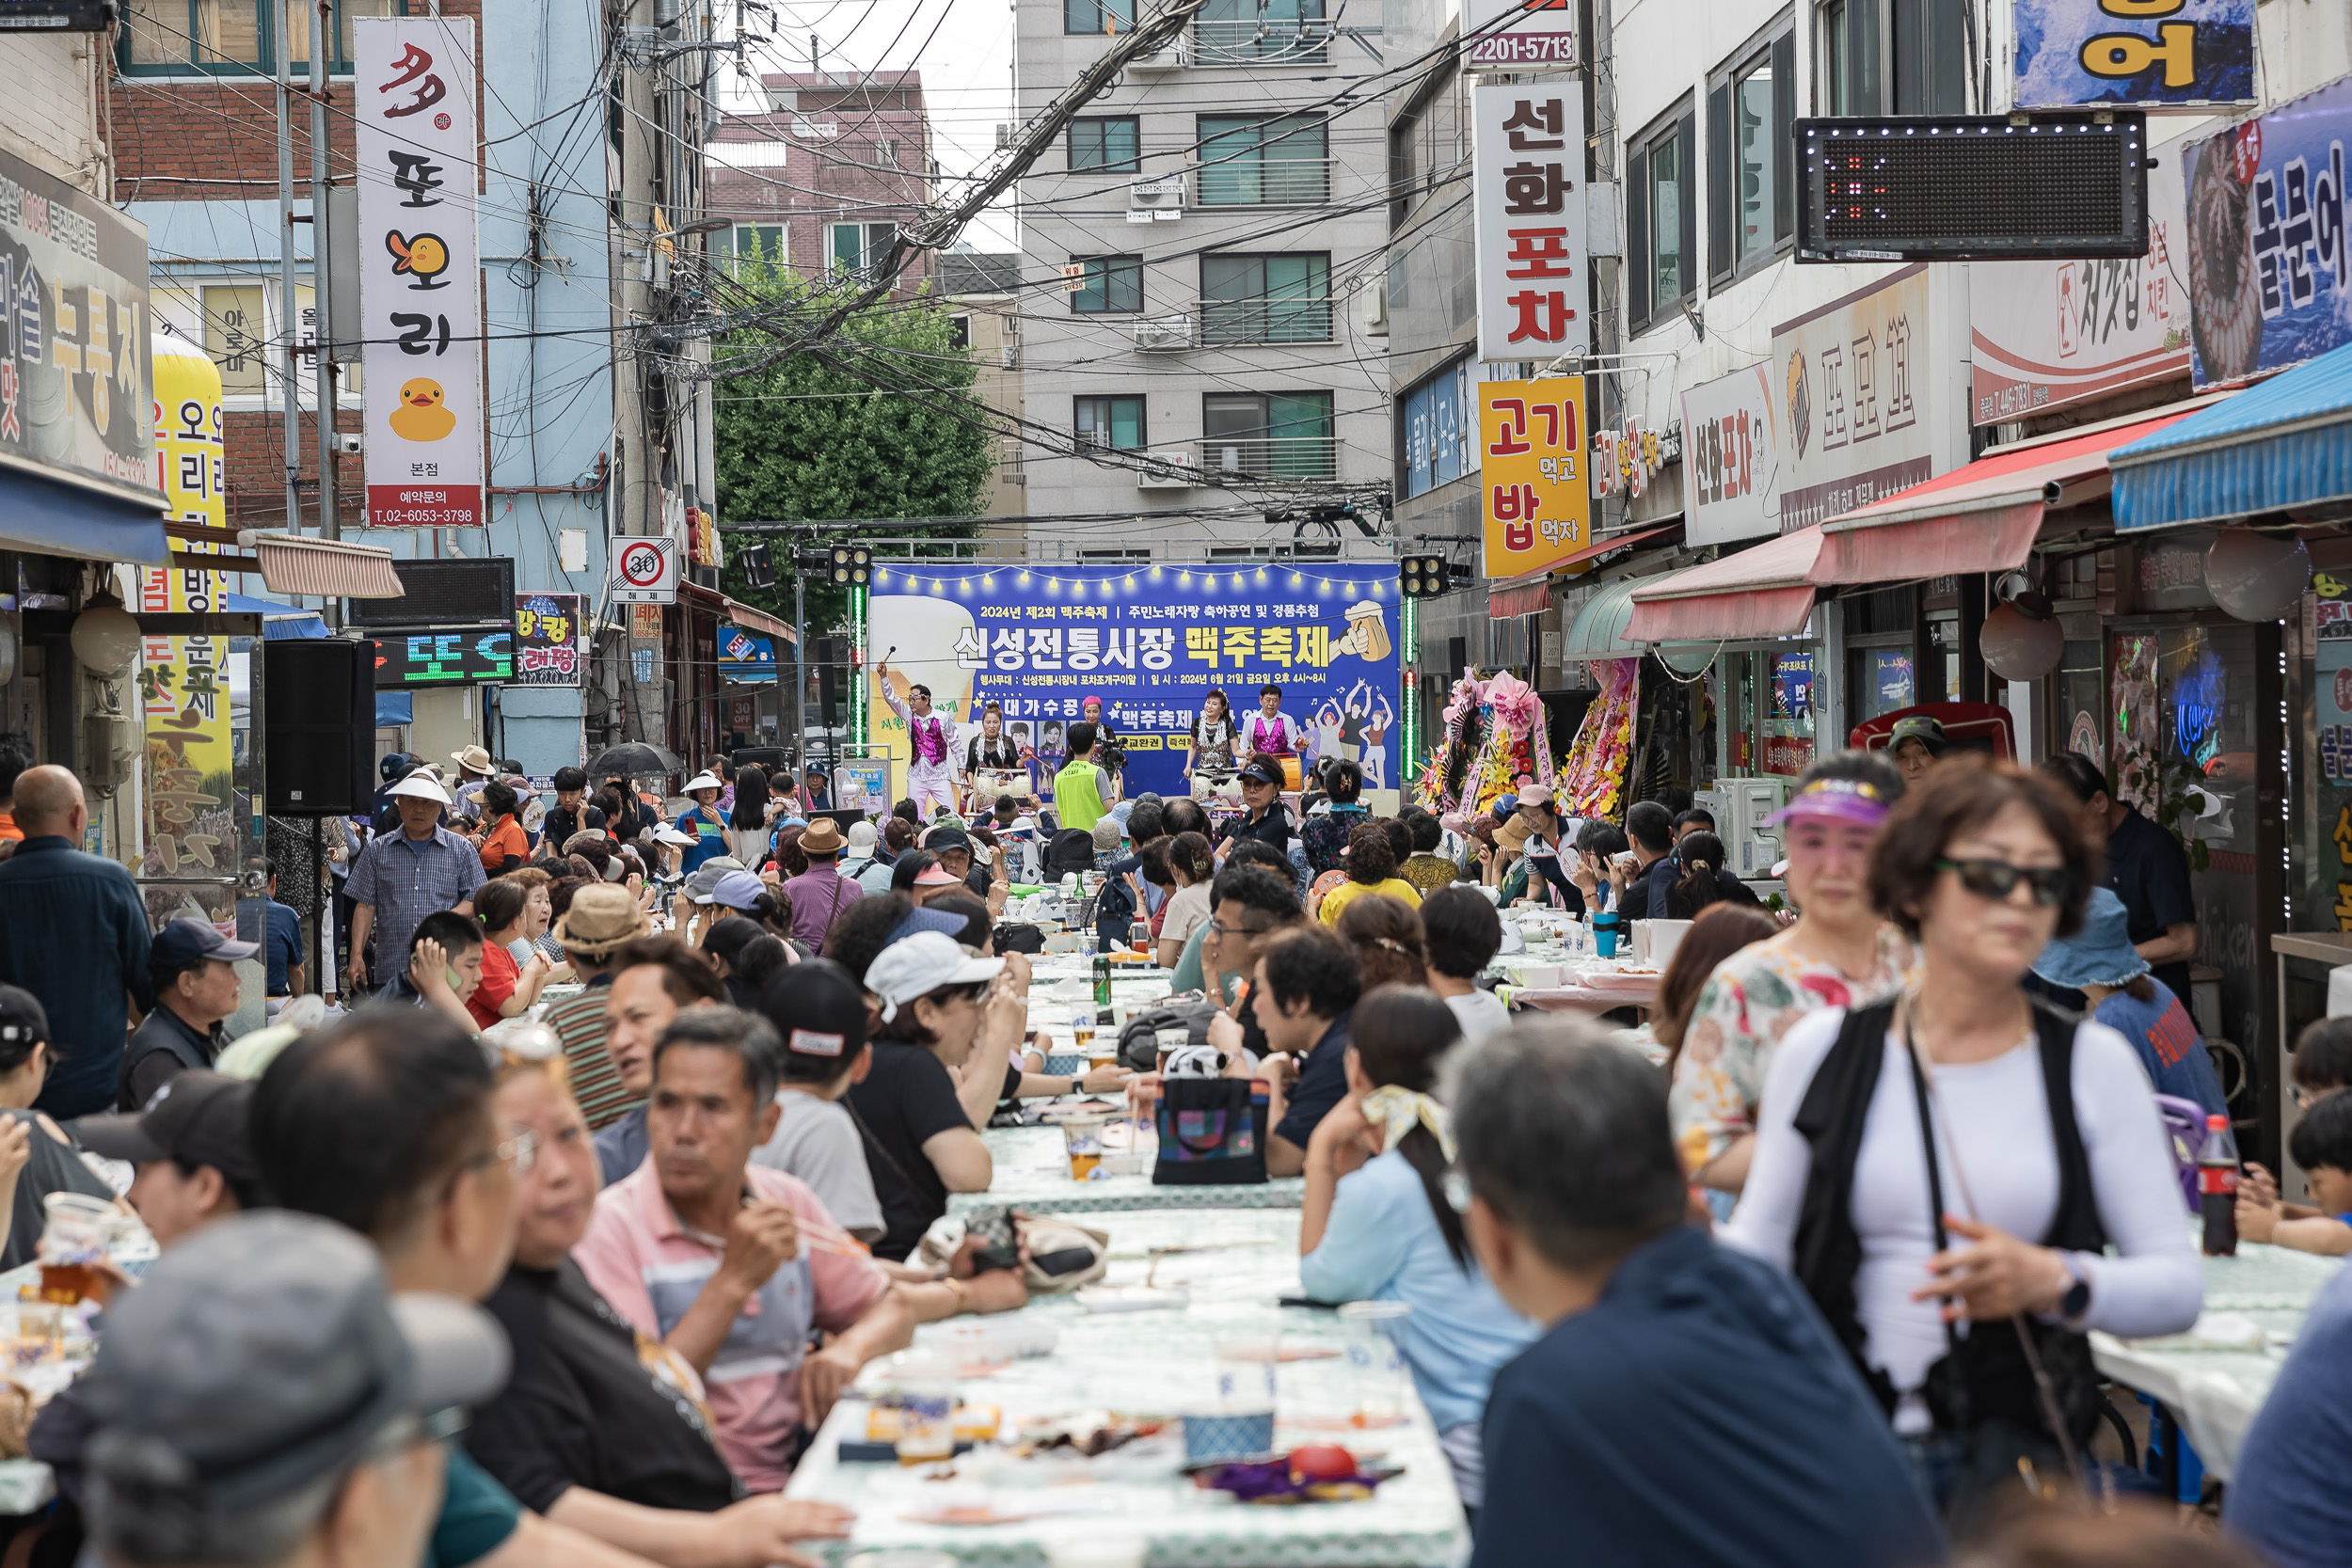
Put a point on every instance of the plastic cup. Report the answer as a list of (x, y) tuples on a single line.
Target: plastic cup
[(1375, 1359), (925, 1383), (1082, 1136)]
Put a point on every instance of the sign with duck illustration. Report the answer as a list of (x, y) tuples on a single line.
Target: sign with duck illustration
[(420, 290)]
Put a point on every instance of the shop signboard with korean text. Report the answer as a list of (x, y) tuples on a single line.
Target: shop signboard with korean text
[(1537, 496), (1731, 458), (2186, 54), (420, 287), (1527, 173), (2332, 620), (548, 642), (1857, 401), (1151, 642), (1520, 35), (2044, 334), (76, 388), (455, 656), (2264, 245)]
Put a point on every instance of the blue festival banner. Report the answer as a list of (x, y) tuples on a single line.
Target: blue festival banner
[(1151, 642), (2269, 275), (2188, 55)]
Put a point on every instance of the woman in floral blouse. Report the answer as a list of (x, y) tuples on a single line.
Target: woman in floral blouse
[(1839, 954)]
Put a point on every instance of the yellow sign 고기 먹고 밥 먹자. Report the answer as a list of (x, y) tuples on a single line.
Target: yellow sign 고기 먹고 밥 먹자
[(1537, 500)]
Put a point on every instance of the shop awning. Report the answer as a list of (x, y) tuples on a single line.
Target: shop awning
[(1764, 591), (2279, 447), (760, 621), (51, 518), (1598, 629), (280, 622), (1520, 595), (329, 568), (1982, 517)]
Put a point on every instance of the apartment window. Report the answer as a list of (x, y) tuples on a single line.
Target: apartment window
[(1264, 160), (1109, 425), (1110, 146), (1256, 32), (1661, 217), (959, 331), (1265, 299), (1268, 434), (1113, 284), (853, 248), (181, 38), (885, 154), (1751, 117), (1425, 148), (1893, 57), (760, 242), (1098, 16)]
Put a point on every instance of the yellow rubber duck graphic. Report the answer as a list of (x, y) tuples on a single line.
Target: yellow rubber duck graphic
[(424, 256), (421, 416)]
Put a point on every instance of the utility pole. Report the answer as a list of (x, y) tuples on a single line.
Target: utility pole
[(288, 317), (800, 667), (322, 41)]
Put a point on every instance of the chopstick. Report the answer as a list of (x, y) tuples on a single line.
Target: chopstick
[(821, 1236)]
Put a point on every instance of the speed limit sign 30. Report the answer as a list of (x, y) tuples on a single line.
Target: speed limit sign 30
[(645, 570)]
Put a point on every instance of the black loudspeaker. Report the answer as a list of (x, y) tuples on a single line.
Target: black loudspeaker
[(318, 726)]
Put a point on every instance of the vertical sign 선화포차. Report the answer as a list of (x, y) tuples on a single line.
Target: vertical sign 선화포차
[(1527, 170), (420, 290), (1537, 499)]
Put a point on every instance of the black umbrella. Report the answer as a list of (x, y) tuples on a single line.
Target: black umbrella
[(634, 759)]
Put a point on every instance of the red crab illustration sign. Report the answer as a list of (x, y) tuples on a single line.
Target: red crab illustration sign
[(420, 294), (645, 570)]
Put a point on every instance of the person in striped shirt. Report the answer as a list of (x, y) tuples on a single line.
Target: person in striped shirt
[(601, 917)]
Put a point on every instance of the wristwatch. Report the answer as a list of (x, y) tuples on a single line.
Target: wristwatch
[(2076, 1301)]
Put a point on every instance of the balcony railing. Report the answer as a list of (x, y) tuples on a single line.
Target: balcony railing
[(1284, 319), (1261, 40), (1227, 459), (1262, 179)]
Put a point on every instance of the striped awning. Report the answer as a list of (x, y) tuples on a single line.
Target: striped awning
[(2282, 446)]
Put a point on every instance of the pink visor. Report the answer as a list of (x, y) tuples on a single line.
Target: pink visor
[(1848, 799)]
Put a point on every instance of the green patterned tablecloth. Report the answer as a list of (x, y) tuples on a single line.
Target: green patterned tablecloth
[(1158, 1362), (1033, 1173), (2216, 1392)]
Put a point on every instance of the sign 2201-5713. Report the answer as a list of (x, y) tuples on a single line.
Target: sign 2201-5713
[(645, 570)]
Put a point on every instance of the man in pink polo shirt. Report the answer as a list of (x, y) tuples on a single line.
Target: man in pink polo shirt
[(731, 1264)]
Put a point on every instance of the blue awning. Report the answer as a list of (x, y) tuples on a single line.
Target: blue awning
[(2279, 446), (280, 622), (39, 515)]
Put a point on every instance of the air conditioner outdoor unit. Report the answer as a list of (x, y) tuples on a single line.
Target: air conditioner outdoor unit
[(1375, 300), (1168, 56), (1164, 334), (1166, 471), (1739, 806), (1150, 200)]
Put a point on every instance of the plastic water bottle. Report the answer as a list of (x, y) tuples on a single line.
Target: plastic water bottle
[(2216, 1187)]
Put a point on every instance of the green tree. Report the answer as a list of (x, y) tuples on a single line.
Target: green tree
[(880, 424)]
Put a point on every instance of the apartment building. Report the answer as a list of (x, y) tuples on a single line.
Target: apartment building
[(1195, 341), (820, 178), (983, 291)]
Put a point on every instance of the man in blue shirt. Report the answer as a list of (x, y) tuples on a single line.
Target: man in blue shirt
[(75, 933), (1303, 993), (2287, 1492), (281, 944), (1686, 1404), (400, 877)]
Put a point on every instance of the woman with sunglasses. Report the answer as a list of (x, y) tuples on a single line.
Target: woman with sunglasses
[(1840, 953), (1944, 1170)]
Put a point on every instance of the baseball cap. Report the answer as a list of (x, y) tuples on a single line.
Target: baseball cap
[(705, 878), (816, 1008), (925, 920), (23, 1022), (923, 963), (736, 890), (946, 836), (1921, 727), (1258, 772), (184, 944), (196, 1118), (862, 835), (259, 1357), (1536, 794), (421, 784)]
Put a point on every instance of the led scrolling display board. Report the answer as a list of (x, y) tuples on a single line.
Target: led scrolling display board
[(1980, 187)]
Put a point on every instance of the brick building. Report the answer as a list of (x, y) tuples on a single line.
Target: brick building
[(818, 180)]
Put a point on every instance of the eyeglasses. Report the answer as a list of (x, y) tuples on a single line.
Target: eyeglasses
[(1223, 930), (1997, 879), (521, 1151)]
